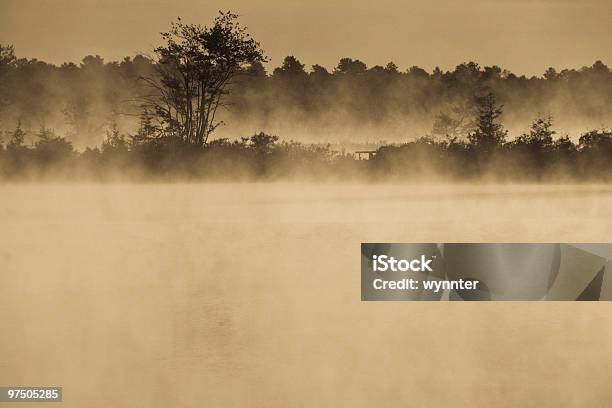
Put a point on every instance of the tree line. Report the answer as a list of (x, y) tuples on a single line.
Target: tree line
[(486, 154), (351, 102), (203, 76)]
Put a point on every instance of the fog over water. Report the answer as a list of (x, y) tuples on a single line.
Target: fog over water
[(182, 207), (248, 295)]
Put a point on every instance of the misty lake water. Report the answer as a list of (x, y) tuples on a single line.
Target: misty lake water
[(248, 295)]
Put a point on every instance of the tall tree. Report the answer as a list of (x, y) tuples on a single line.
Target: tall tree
[(540, 134), (350, 66), (489, 134), (7, 61), (194, 71), (456, 123), (291, 68)]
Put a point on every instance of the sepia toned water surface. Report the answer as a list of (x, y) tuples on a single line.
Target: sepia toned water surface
[(248, 295)]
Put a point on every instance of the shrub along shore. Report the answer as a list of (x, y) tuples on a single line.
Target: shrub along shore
[(262, 157)]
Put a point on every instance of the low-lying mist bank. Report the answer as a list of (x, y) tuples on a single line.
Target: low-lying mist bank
[(187, 295), (263, 158), (349, 102)]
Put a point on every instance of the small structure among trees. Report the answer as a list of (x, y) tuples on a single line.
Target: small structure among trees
[(365, 154)]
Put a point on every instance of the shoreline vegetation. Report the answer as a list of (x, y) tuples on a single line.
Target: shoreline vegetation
[(177, 98), (533, 157)]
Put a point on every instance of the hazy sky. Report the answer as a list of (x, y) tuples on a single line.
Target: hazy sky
[(525, 36)]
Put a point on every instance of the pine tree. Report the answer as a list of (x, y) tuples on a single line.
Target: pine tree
[(489, 134)]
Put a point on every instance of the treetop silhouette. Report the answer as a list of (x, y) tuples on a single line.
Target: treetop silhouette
[(193, 72)]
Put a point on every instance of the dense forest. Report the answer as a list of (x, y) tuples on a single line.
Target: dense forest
[(184, 112), (349, 103)]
